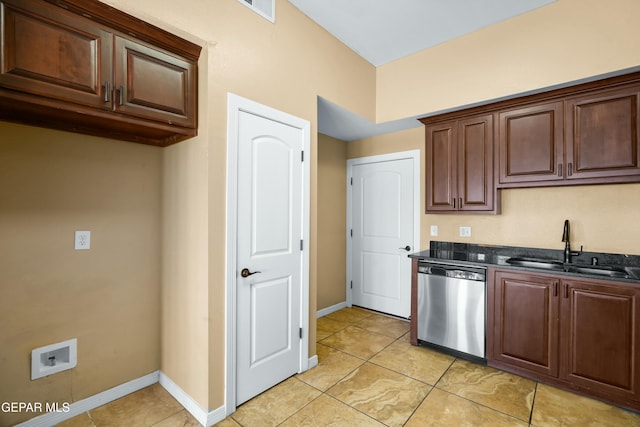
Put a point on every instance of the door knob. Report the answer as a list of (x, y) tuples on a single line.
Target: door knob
[(246, 273), (406, 248)]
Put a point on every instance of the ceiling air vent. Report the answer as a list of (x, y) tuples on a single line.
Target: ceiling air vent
[(264, 8)]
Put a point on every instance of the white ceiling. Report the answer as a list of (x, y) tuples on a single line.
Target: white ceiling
[(382, 31)]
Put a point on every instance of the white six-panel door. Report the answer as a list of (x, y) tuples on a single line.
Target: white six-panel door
[(383, 215)]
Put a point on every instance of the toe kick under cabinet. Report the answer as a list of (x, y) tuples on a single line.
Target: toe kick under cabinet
[(83, 66), (577, 333)]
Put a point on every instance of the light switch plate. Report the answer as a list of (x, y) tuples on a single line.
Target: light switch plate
[(82, 240), (434, 230)]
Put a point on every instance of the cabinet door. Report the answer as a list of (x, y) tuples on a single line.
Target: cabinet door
[(154, 84), (48, 51), (599, 332), (531, 144), (602, 134), (441, 173), (475, 164), (525, 317)]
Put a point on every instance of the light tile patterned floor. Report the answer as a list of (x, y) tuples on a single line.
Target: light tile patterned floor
[(369, 375)]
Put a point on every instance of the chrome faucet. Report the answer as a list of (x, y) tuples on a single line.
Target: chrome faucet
[(568, 253)]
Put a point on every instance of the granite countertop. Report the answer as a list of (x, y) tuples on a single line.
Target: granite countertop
[(497, 256)]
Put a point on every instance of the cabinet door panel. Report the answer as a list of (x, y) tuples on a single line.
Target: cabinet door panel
[(50, 52), (525, 330), (531, 144), (475, 163), (602, 135), (598, 337), (441, 143), (154, 84)]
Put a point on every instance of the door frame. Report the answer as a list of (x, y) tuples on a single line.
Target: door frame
[(236, 105), (402, 155)]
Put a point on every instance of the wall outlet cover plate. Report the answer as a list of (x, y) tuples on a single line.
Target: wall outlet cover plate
[(82, 240)]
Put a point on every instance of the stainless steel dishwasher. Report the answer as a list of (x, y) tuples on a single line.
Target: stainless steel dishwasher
[(451, 308)]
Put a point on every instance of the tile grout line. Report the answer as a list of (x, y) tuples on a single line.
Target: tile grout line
[(533, 403), (369, 360)]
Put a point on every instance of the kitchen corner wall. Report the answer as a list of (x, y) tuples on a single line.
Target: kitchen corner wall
[(332, 208), (51, 184)]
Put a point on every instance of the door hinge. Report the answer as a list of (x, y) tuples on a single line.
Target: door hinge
[(301, 245), (351, 180), (302, 156), (300, 333), (351, 232), (352, 284)]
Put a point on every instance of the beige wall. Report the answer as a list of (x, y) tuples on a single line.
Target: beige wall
[(51, 184), (285, 66), (332, 214), (558, 43)]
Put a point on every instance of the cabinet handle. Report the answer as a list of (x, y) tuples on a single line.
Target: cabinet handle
[(454, 203), (559, 169), (566, 291), (570, 169), (121, 96), (460, 203), (555, 289), (107, 91)]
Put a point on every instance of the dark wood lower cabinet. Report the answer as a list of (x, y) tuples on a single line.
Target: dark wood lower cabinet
[(599, 332), (580, 334), (525, 327)]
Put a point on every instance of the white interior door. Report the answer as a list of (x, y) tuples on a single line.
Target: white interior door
[(383, 211), (269, 251)]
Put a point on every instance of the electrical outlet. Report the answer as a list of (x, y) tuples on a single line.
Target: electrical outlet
[(465, 231), (434, 230), (82, 240)]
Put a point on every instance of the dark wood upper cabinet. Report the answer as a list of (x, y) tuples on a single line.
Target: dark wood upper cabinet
[(153, 84), (602, 134), (442, 169), (531, 144), (460, 165), (83, 66), (587, 133), (588, 138), (51, 52)]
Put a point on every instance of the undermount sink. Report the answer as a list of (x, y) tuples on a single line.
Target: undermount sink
[(599, 270), (551, 264), (547, 264)]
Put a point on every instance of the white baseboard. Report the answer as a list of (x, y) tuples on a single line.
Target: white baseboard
[(313, 361), (92, 402), (203, 416), (329, 310)]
